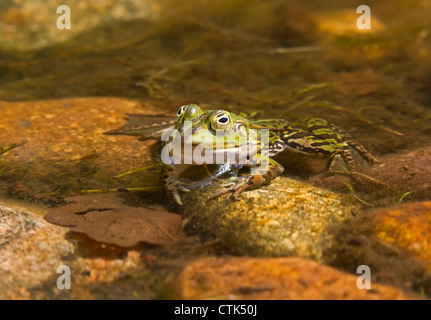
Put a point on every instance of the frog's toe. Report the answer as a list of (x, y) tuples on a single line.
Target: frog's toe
[(222, 192), (177, 198), (174, 194), (236, 187), (183, 187), (174, 189)]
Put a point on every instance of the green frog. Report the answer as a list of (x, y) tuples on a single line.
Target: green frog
[(230, 137)]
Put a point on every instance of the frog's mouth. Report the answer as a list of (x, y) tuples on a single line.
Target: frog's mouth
[(208, 154), (202, 147)]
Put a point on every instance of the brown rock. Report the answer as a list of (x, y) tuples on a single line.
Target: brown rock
[(394, 242), (406, 172), (62, 148), (31, 250), (404, 176), (273, 278), (407, 227), (285, 218)]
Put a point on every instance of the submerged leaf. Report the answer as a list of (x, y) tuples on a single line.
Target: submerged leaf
[(105, 218)]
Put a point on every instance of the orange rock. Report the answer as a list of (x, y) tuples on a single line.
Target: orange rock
[(31, 250), (407, 227), (394, 242), (274, 278), (62, 146)]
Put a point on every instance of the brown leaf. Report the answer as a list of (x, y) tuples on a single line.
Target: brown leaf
[(105, 218)]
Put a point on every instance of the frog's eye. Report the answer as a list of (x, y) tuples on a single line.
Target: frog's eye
[(222, 120), (181, 111)]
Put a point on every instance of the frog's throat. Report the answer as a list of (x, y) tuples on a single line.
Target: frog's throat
[(205, 154)]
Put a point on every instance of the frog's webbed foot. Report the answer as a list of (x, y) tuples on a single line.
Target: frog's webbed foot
[(235, 187), (174, 187), (365, 154), (257, 179), (174, 184), (340, 145), (183, 185), (346, 156), (241, 184)]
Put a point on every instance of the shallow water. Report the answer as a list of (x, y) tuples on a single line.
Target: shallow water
[(291, 60)]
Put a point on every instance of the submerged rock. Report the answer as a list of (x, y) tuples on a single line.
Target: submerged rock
[(399, 177), (273, 278), (408, 172), (62, 150), (31, 250), (285, 218), (394, 242)]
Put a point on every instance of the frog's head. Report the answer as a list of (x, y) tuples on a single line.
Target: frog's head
[(217, 129), (210, 126)]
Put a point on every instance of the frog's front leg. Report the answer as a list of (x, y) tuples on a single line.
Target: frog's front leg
[(262, 174), (174, 183)]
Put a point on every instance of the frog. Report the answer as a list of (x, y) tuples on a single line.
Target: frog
[(229, 133)]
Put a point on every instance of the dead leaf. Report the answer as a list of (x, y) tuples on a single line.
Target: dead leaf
[(105, 218)]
